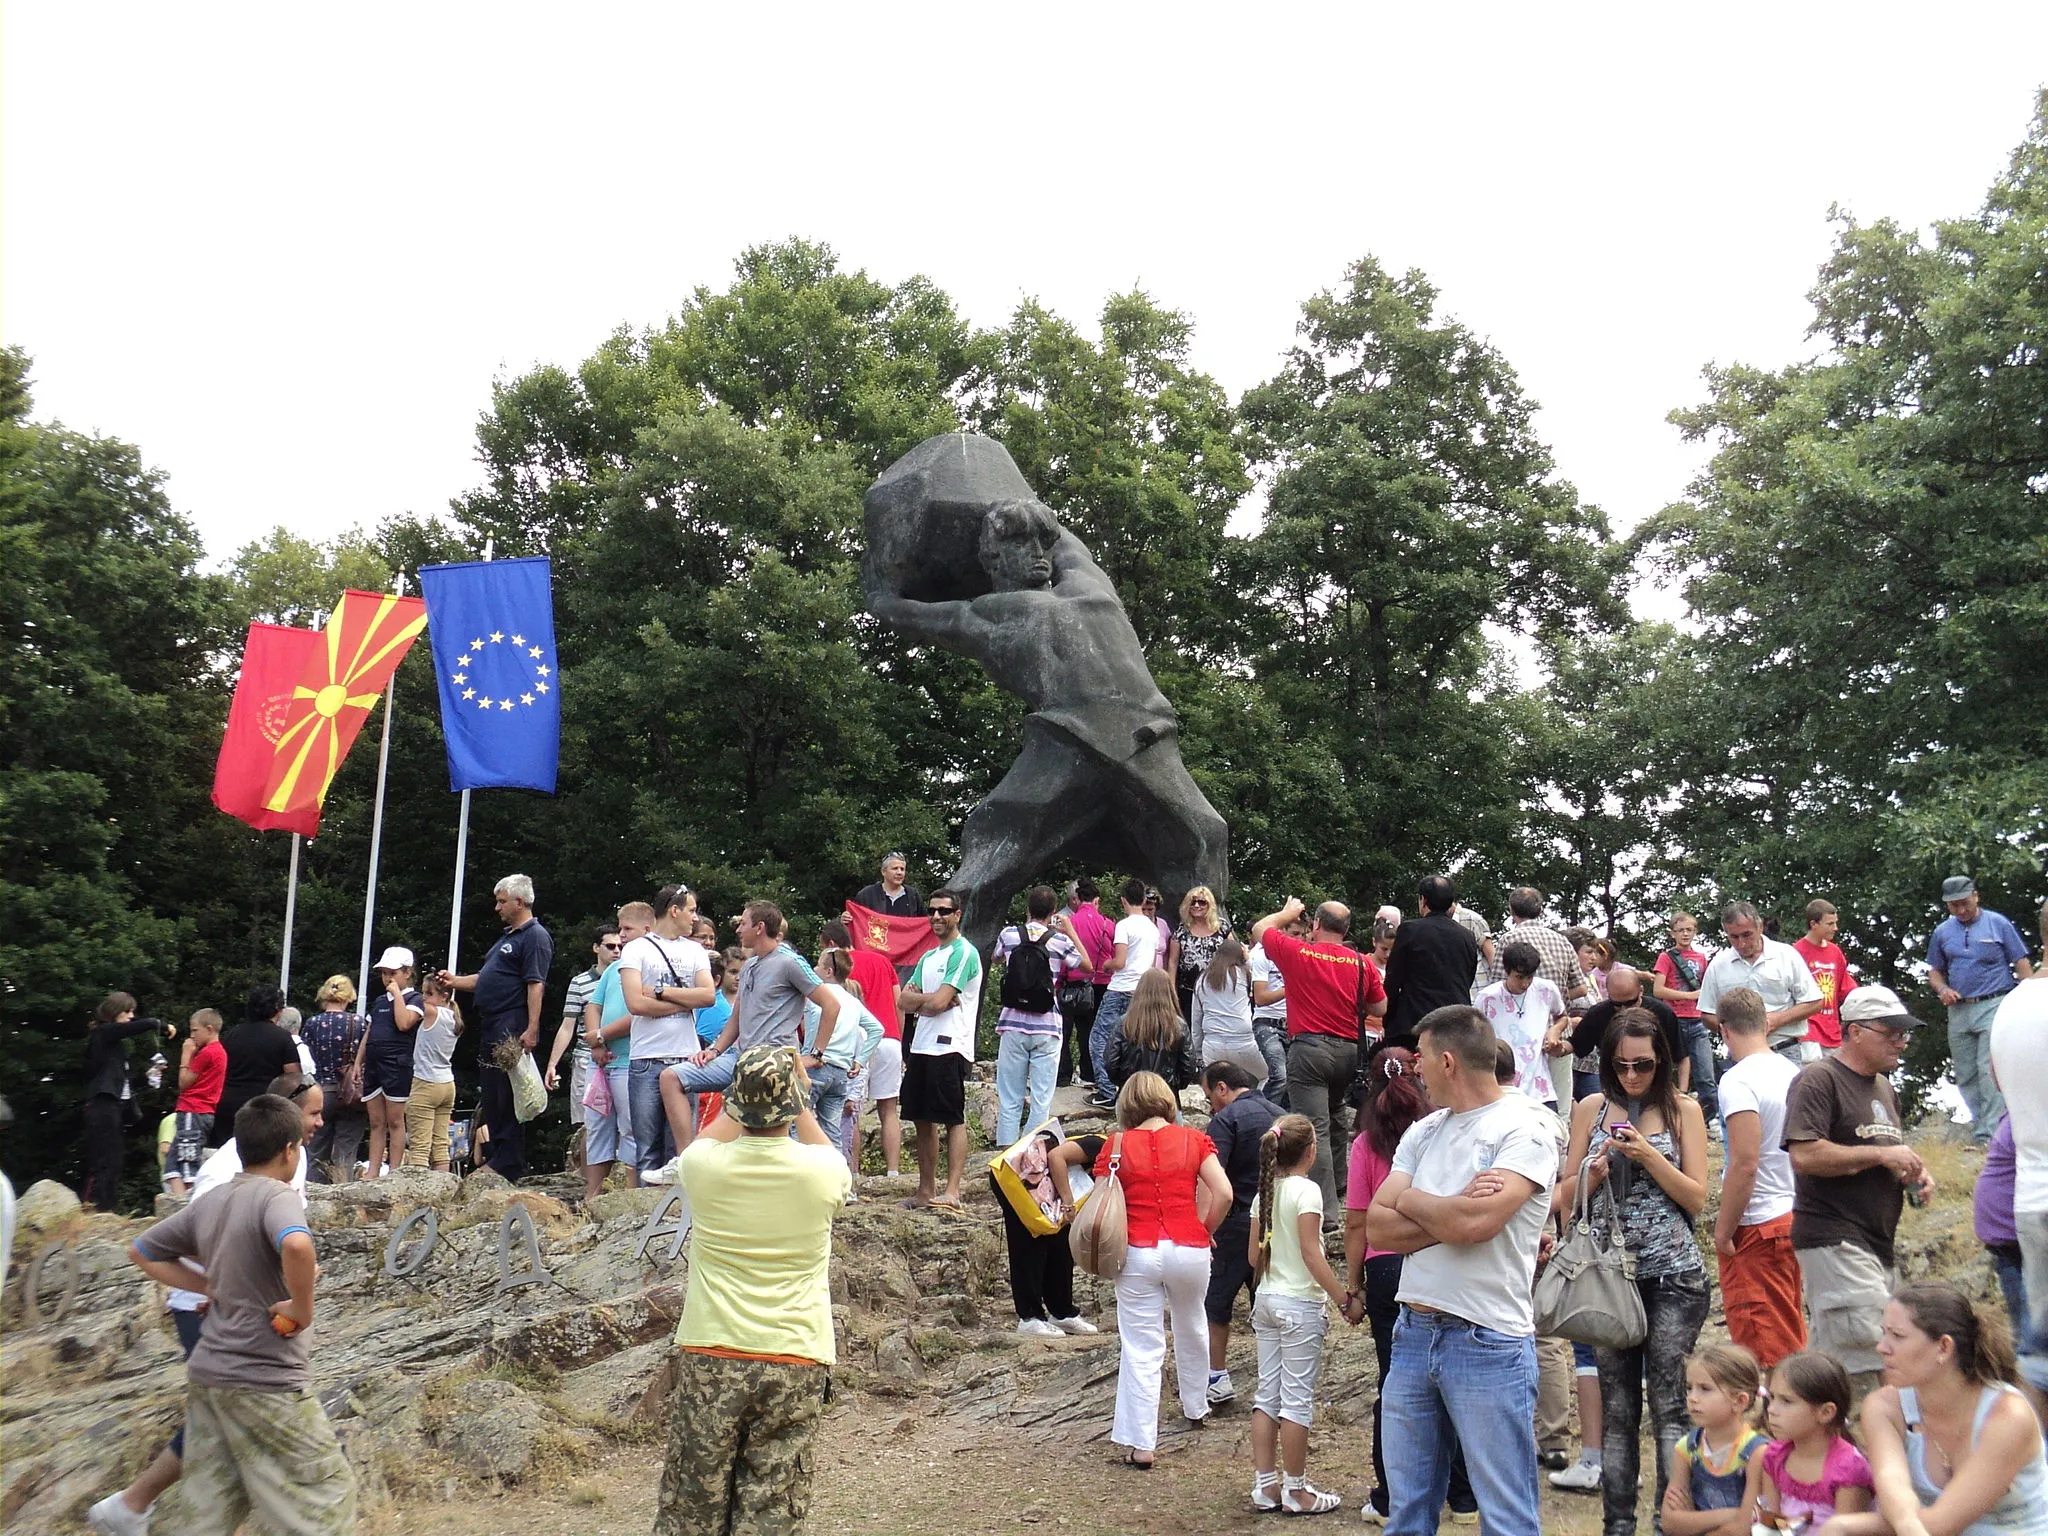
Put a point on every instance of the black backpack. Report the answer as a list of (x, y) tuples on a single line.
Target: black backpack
[(1027, 974)]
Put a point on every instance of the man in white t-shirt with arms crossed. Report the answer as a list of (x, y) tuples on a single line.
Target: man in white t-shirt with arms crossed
[(1466, 1201)]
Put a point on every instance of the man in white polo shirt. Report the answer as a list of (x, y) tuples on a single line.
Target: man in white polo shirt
[(1466, 1202), (1775, 972)]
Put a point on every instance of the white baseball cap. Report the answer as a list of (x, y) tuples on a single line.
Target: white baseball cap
[(396, 958)]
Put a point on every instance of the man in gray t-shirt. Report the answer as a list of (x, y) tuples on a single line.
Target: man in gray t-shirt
[(774, 985)]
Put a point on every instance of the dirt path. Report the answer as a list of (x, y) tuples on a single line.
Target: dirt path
[(909, 1470)]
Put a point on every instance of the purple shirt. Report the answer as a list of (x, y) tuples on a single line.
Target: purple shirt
[(1993, 1201)]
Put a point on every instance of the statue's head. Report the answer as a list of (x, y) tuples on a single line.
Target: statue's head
[(1016, 544)]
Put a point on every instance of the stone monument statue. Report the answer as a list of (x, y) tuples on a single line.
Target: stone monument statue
[(961, 554)]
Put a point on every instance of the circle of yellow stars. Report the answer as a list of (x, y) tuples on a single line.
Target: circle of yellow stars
[(541, 671)]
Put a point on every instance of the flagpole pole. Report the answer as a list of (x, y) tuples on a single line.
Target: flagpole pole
[(461, 851), (291, 904), (377, 821)]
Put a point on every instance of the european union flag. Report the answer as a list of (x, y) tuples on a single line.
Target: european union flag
[(492, 627)]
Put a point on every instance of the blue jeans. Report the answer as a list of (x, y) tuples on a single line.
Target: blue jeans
[(1027, 1066), (1271, 1035), (1454, 1383), (828, 1097), (1109, 1018), (1706, 1078), (650, 1124)]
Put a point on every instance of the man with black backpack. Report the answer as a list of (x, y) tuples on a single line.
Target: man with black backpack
[(1036, 955)]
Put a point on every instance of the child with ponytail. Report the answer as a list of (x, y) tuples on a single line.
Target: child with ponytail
[(1288, 1318)]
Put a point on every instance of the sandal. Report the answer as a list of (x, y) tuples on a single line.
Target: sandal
[(1131, 1460), (1265, 1492), (1320, 1503)]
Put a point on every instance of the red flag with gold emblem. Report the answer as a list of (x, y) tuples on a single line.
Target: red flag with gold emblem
[(273, 661), (904, 940), (366, 638)]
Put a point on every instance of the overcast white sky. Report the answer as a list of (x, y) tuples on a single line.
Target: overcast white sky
[(286, 249)]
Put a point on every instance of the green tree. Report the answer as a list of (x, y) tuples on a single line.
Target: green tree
[(1867, 557), (103, 709), (1411, 505)]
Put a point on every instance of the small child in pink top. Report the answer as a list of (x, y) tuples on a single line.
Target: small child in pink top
[(1812, 1471)]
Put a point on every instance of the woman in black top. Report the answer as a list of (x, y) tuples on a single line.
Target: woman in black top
[(110, 1106)]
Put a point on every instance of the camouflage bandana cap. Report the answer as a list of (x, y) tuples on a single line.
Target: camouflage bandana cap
[(766, 1089)]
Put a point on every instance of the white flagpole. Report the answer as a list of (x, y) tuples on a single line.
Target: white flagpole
[(377, 821), (461, 854), (291, 903)]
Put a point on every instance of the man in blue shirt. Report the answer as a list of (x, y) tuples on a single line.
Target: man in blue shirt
[(507, 990), (1974, 958)]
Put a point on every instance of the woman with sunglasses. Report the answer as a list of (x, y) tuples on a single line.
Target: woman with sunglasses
[(1648, 1143), (1193, 945)]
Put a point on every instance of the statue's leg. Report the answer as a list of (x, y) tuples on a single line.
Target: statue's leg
[(1172, 836), (1052, 797)]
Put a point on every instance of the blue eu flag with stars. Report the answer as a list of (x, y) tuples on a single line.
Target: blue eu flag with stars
[(492, 627)]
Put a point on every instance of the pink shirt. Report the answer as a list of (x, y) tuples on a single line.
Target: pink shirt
[(1664, 968), (1844, 1468), (1368, 1172), (1098, 939)]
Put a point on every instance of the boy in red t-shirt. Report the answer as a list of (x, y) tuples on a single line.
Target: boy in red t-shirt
[(202, 1071), (1830, 967)]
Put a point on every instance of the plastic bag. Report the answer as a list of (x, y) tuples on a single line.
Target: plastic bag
[(597, 1091), (529, 1093)]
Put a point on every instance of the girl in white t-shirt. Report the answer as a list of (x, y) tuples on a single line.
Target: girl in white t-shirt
[(1289, 1319), (427, 1112), (1220, 1020)]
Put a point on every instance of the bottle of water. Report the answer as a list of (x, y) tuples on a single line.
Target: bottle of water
[(156, 1070)]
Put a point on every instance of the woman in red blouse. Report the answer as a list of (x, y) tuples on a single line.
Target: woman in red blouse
[(1175, 1195)]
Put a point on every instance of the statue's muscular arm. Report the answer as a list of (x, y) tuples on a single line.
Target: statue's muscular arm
[(954, 625)]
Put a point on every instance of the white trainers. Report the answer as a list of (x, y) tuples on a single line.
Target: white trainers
[(112, 1517), (1220, 1388), (1076, 1324), (1038, 1328), (1582, 1476)]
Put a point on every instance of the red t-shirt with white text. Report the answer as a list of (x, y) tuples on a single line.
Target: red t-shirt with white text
[(1323, 993), (1830, 969)]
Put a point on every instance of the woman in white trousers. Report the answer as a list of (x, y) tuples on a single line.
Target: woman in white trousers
[(1175, 1195)]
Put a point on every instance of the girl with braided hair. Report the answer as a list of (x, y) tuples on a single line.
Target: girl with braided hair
[(1288, 1318)]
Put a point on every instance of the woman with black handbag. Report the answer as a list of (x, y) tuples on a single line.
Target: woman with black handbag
[(332, 1035), (1650, 1143)]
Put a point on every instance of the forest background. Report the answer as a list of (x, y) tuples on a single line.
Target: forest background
[(1398, 641)]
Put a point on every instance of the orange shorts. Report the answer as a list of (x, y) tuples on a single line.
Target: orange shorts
[(1760, 1292)]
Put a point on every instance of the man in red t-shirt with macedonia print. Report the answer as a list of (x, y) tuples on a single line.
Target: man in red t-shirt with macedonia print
[(1830, 967), (1331, 990)]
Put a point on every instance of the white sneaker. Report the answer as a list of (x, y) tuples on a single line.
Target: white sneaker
[(1074, 1325), (112, 1517), (1038, 1328), (1582, 1476), (1220, 1388)]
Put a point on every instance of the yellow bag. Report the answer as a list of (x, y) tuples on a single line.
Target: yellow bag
[(1010, 1179)]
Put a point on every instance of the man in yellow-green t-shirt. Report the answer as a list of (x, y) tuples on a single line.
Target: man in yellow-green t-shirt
[(756, 1336)]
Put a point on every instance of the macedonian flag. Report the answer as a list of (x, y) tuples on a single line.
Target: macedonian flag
[(366, 638)]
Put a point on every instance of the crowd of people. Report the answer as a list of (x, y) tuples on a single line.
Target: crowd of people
[(1499, 1080)]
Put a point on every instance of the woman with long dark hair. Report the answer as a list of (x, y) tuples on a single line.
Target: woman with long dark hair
[(1220, 1025), (1649, 1143), (1394, 1102), (109, 1098)]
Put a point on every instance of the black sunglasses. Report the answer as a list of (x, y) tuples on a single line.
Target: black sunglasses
[(940, 911)]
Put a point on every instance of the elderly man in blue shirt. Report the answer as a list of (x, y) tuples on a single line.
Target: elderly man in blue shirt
[(1974, 958)]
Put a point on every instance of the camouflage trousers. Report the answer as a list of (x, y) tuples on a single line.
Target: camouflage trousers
[(269, 1459), (739, 1446)]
